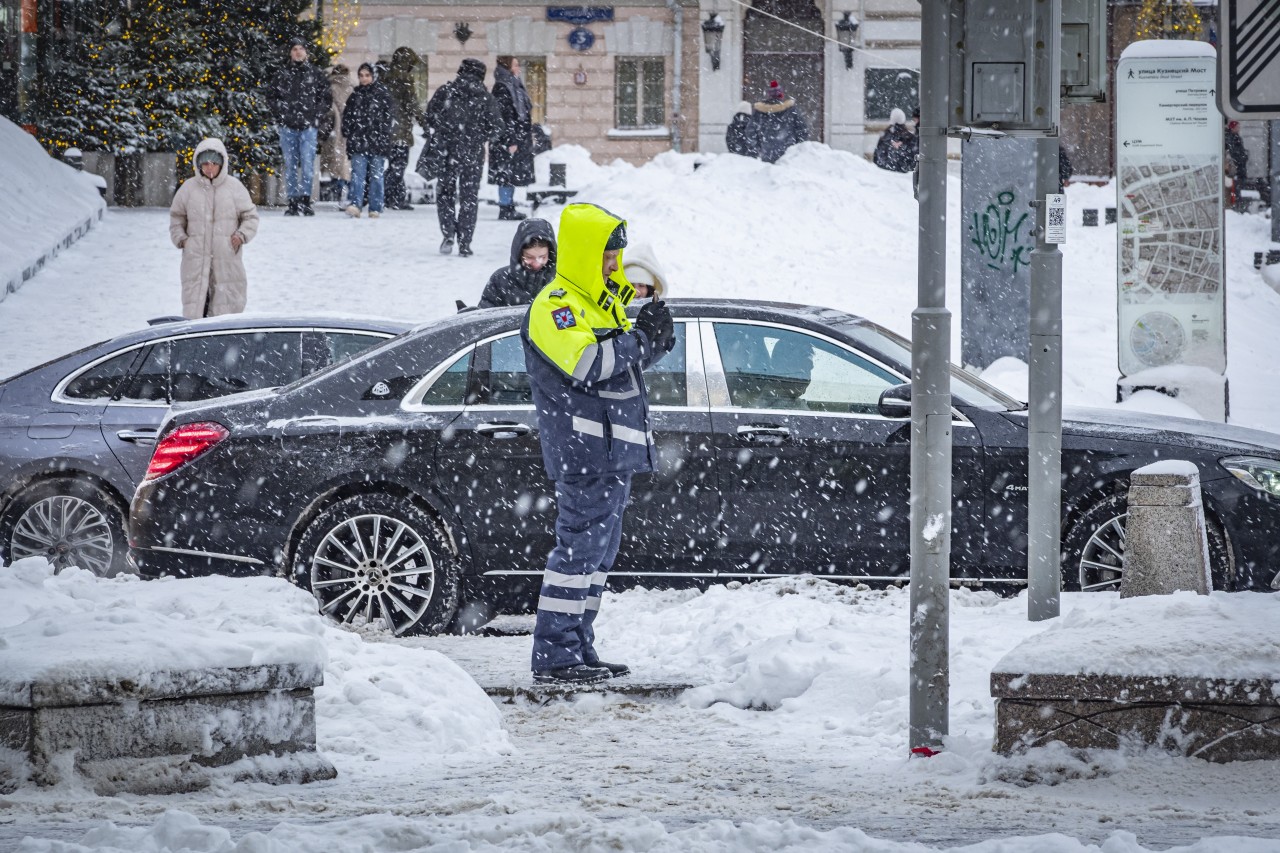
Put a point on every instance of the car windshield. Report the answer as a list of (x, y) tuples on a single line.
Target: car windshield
[(965, 387)]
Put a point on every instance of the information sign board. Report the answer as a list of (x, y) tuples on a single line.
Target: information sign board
[(1170, 306)]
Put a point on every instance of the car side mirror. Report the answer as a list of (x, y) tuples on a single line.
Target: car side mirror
[(895, 402)]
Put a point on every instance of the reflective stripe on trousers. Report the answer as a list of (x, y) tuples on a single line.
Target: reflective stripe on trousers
[(588, 532)]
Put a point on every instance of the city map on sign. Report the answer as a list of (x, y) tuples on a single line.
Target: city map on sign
[(1164, 246)]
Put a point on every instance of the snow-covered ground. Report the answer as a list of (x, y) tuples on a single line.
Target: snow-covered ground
[(796, 738)]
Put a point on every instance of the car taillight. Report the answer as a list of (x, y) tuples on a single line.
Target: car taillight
[(182, 445)]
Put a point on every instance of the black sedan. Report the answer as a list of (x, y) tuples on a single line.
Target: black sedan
[(406, 486), (76, 433)]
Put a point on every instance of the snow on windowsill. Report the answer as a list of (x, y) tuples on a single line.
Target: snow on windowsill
[(639, 133)]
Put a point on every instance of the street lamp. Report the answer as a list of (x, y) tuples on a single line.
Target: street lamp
[(846, 37), (712, 35)]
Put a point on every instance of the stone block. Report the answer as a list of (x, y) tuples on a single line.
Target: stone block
[(1216, 720), (1166, 547), (168, 732)]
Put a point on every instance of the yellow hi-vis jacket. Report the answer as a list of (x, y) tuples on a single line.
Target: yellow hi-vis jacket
[(585, 361)]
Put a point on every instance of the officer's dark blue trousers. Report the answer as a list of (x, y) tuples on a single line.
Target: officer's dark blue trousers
[(588, 532)]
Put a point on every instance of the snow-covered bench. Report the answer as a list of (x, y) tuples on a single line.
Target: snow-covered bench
[(1193, 674), (169, 731)]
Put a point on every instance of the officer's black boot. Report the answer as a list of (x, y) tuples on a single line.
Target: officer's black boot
[(292, 209), (305, 204), (580, 674)]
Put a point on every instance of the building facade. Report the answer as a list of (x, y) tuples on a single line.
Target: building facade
[(609, 78)]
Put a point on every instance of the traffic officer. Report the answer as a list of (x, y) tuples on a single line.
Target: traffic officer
[(584, 360)]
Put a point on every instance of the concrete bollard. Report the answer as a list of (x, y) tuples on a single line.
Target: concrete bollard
[(1166, 548)]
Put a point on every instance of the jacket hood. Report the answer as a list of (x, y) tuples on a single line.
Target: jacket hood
[(642, 267), (405, 57), (774, 106), (211, 144), (473, 69), (584, 231), (531, 229)]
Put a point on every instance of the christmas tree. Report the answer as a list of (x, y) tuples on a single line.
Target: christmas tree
[(164, 74), (1168, 19)]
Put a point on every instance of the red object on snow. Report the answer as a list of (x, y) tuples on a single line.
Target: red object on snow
[(924, 751)]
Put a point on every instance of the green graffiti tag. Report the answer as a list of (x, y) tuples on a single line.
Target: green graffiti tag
[(999, 236)]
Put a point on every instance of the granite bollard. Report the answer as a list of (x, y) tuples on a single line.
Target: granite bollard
[(1166, 548)]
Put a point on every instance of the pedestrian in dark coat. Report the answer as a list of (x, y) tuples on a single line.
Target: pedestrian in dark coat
[(367, 127), (776, 124), (533, 265), (461, 117), (1237, 161), (898, 148), (511, 159), (738, 137), (404, 97), (299, 98)]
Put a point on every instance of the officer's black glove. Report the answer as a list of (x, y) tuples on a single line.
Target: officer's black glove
[(655, 321)]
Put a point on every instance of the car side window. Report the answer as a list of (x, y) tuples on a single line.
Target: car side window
[(150, 384), (343, 345), (771, 368), (101, 381), (450, 388), (215, 365), (500, 377), (667, 381)]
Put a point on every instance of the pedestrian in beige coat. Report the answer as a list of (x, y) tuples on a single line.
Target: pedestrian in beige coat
[(210, 219), (333, 152)]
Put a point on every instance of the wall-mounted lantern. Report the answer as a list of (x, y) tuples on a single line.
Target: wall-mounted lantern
[(462, 31), (712, 35), (847, 36)]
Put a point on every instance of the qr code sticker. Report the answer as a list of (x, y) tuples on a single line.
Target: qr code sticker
[(1057, 217)]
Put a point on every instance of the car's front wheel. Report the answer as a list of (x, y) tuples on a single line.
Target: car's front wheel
[(68, 521), (380, 559), (1094, 546)]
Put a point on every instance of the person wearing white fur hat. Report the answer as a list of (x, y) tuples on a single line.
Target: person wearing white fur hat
[(640, 267), (898, 147), (738, 138)]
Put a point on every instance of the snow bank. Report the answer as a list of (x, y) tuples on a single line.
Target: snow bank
[(1222, 635), (45, 205), (383, 708), (178, 832)]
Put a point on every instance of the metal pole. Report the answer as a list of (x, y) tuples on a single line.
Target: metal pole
[(1044, 439), (931, 401), (1274, 128)]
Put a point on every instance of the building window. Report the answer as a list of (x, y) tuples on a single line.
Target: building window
[(533, 70), (890, 88), (639, 94)]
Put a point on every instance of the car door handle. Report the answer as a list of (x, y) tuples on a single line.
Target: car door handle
[(137, 436), (503, 430), (764, 434)]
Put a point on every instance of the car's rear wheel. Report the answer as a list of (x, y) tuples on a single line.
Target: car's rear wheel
[(1094, 546), (380, 560), (69, 522)]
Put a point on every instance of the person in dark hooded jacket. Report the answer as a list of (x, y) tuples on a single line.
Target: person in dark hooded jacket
[(737, 136), (461, 117), (776, 124), (898, 148), (404, 97), (533, 265), (511, 160), (299, 98)]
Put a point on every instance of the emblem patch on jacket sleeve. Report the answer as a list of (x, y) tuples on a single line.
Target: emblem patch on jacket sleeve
[(564, 317)]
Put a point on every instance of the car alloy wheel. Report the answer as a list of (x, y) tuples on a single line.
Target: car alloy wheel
[(1093, 552), (68, 531), (69, 522), (378, 560)]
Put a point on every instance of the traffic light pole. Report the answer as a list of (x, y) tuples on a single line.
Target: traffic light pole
[(929, 692), (1044, 420)]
